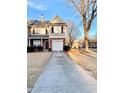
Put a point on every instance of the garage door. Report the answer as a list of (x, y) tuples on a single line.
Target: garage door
[(57, 45)]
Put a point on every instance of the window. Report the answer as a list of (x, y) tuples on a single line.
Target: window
[(42, 31), (36, 43), (33, 31), (38, 31), (57, 29)]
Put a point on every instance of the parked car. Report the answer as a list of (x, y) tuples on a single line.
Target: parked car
[(95, 46), (90, 46)]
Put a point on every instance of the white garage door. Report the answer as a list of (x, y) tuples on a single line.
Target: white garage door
[(57, 45)]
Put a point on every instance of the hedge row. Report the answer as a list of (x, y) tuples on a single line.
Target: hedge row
[(40, 48), (33, 48), (67, 48)]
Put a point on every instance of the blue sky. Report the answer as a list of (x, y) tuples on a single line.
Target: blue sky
[(51, 8)]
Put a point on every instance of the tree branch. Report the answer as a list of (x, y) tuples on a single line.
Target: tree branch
[(76, 6)]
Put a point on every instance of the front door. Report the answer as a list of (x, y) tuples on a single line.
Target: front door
[(46, 45)]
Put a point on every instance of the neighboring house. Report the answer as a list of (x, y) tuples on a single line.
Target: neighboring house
[(48, 34), (75, 44)]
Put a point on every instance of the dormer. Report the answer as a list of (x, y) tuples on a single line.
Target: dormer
[(57, 27)]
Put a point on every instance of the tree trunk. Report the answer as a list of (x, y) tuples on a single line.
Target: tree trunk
[(70, 43), (86, 40)]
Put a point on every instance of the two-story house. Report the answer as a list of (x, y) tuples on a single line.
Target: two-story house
[(48, 34)]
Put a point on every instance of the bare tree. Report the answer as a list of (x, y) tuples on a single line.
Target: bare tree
[(94, 38), (72, 31), (80, 42), (88, 11)]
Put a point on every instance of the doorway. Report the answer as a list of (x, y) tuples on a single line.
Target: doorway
[(45, 44)]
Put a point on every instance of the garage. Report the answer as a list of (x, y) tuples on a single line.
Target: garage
[(57, 45)]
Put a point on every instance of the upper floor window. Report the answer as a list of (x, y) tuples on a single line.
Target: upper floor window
[(57, 29), (33, 31)]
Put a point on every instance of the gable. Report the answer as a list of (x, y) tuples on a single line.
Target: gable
[(56, 20)]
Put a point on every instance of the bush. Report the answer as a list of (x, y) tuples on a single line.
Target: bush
[(67, 48), (30, 49), (39, 48), (49, 49), (34, 48)]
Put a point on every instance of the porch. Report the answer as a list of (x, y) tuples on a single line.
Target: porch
[(39, 40)]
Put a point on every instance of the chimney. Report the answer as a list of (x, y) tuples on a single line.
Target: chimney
[(42, 18)]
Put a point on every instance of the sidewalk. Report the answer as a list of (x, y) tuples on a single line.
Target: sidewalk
[(61, 75)]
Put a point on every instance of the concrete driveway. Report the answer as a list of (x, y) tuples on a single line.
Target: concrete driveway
[(61, 75)]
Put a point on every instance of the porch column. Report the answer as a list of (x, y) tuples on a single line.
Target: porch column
[(41, 42), (29, 42), (49, 42)]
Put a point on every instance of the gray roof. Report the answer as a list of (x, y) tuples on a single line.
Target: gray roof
[(31, 22), (38, 24)]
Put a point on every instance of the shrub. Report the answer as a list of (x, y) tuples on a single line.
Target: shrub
[(67, 48), (30, 49), (49, 49), (39, 48)]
